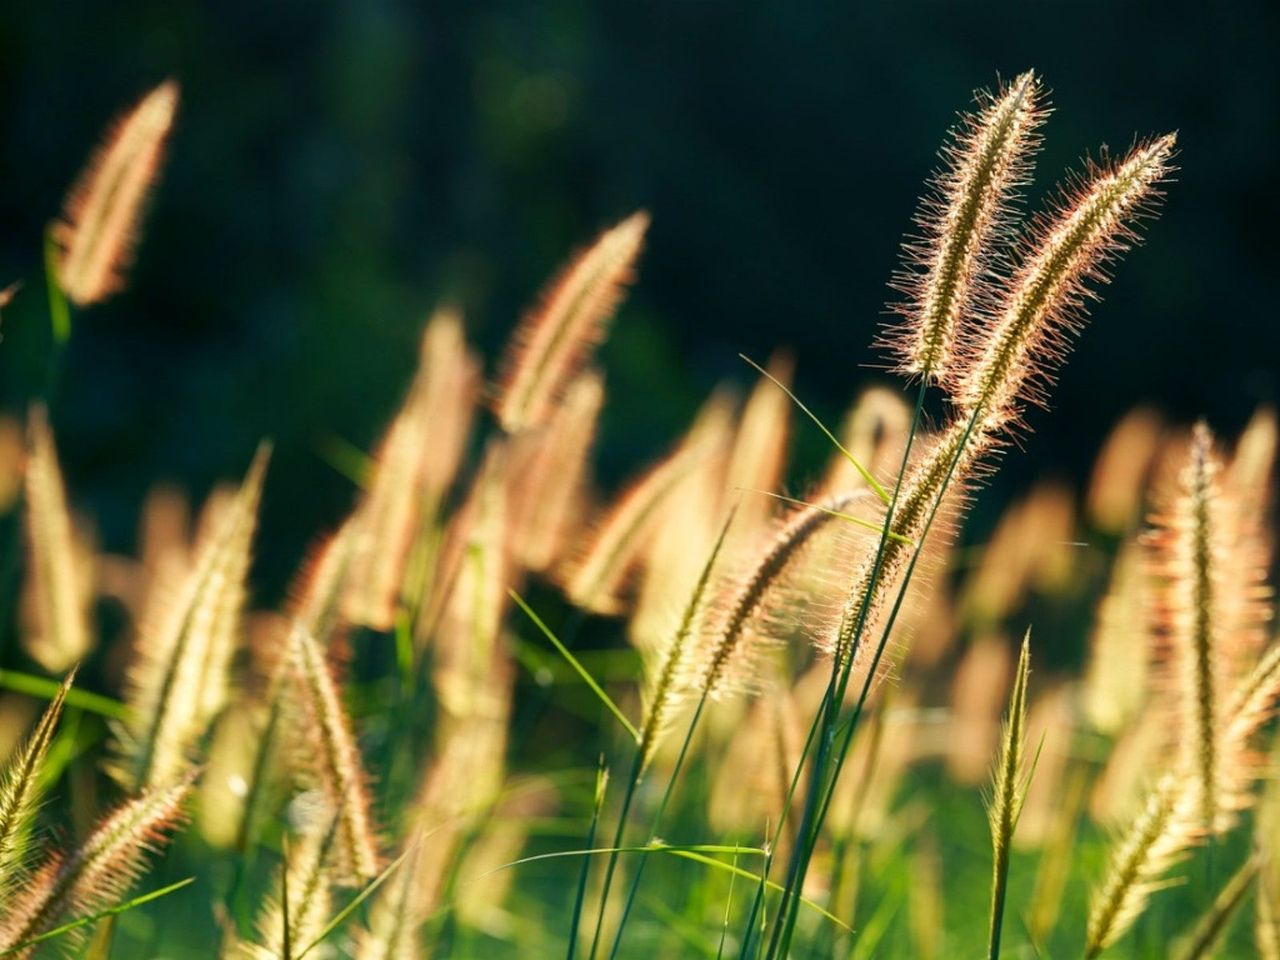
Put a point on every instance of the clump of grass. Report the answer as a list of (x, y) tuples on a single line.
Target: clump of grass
[(398, 704)]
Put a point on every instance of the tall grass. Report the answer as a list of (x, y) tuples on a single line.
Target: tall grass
[(725, 710)]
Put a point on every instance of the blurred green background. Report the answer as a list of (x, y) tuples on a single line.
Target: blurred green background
[(340, 167)]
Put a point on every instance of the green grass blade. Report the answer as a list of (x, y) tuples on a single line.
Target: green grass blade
[(573, 662), (340, 917), (59, 309), (580, 897), (47, 689), (100, 915), (880, 491), (345, 457)]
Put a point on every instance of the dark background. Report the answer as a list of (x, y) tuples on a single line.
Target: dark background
[(339, 168)]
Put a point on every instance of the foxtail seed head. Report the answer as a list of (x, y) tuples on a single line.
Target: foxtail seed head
[(101, 871), (1162, 833), (20, 793), (332, 757), (58, 593), (1042, 304), (964, 222), (553, 341), (103, 209), (178, 678)]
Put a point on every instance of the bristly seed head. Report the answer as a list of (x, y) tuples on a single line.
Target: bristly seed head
[(554, 341), (965, 222), (102, 211), (1016, 351)]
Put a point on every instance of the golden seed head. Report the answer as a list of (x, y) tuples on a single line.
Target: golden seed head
[(103, 210)]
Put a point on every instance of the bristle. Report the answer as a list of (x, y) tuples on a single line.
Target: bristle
[(329, 751), (1014, 350), (1162, 833), (553, 341), (317, 594), (1014, 354), (965, 221), (100, 872), (178, 679), (103, 210), (1251, 704), (20, 793), (58, 593), (936, 477), (549, 476)]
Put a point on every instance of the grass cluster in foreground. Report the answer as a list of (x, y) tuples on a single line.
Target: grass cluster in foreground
[(822, 728)]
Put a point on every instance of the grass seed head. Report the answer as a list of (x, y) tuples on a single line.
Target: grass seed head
[(965, 222), (557, 338), (103, 210)]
